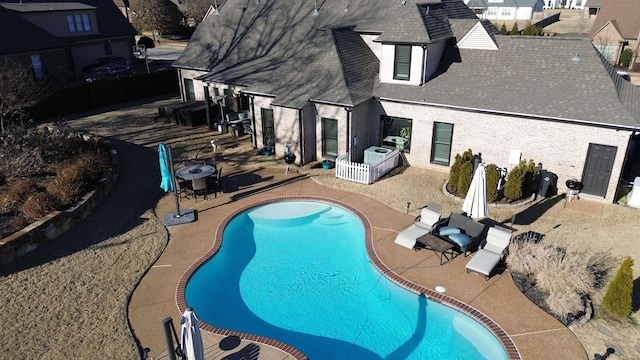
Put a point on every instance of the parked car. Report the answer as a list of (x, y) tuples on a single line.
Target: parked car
[(624, 75), (106, 72), (105, 61)]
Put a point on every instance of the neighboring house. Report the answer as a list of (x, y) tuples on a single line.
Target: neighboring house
[(59, 38), (352, 76), (616, 28), (592, 8), (505, 9), (567, 4)]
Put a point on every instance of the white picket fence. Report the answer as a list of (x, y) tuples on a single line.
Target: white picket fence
[(366, 173)]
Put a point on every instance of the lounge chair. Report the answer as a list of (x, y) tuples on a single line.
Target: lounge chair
[(422, 225), (491, 253)]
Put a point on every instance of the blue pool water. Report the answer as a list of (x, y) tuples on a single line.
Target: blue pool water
[(298, 272)]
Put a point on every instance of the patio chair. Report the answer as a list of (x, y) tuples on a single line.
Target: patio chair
[(494, 249), (198, 186), (422, 225)]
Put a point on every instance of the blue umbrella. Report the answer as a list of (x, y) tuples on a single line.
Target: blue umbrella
[(165, 169)]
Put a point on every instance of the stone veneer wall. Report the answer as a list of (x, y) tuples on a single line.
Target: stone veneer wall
[(57, 222)]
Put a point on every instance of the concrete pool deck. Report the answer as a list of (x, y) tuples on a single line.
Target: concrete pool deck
[(535, 333)]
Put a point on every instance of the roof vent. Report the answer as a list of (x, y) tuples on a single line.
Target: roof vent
[(215, 11), (576, 58), (316, 12), (403, 2)]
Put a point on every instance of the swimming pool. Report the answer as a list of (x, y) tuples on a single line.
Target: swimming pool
[(298, 272)]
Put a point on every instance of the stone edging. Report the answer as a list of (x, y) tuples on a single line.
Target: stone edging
[(54, 224), (512, 205)]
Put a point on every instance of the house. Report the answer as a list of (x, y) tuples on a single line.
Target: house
[(567, 4), (592, 8), (505, 9), (59, 38), (616, 28), (342, 77)]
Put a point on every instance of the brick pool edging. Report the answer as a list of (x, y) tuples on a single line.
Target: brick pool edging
[(496, 330)]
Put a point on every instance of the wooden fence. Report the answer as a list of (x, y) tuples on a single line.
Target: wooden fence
[(366, 173)]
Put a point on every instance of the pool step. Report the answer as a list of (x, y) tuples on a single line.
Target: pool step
[(331, 217)]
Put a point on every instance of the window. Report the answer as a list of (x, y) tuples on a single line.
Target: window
[(329, 137), (268, 127), (505, 12), (189, 90), (396, 132), (441, 146), (79, 23), (492, 11), (37, 66), (402, 62)]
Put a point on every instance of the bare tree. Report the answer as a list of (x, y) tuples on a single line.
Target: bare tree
[(195, 10), (150, 16), (19, 90)]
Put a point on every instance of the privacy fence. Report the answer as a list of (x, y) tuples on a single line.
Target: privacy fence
[(102, 93)]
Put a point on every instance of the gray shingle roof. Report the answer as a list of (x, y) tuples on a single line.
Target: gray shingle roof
[(31, 38), (529, 76), (280, 48)]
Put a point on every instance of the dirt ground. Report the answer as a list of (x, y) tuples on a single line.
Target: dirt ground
[(75, 291)]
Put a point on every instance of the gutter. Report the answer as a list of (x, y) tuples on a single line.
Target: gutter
[(330, 103), (515, 114)]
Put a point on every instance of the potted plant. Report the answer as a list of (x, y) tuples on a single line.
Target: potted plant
[(327, 164), (269, 142), (405, 134)]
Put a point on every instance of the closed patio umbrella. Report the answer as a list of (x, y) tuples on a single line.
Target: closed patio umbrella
[(165, 168), (192, 345), (476, 204), (168, 184)]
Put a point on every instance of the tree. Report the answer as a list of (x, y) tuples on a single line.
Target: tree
[(195, 10), (150, 16), (503, 29), (619, 297), (19, 90), (514, 29), (625, 57)]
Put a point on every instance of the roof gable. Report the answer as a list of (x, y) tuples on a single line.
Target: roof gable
[(626, 13), (477, 38)]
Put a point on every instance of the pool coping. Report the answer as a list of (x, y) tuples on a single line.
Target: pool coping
[(505, 340)]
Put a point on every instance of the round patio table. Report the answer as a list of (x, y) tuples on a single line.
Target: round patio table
[(195, 171)]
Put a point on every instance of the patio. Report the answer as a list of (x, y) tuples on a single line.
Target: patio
[(498, 298)]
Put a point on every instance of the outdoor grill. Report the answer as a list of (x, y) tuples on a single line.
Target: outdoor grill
[(574, 187)]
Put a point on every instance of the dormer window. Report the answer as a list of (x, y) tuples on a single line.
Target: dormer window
[(402, 62), (79, 23)]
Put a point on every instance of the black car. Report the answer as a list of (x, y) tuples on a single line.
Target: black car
[(107, 72), (106, 61)]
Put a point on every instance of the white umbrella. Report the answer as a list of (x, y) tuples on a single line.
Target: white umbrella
[(476, 204), (191, 338)]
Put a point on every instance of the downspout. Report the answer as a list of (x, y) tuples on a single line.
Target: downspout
[(207, 104), (348, 110), (180, 86), (253, 122), (301, 137), (424, 64)]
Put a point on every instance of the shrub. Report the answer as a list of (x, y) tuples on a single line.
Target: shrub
[(16, 192), (454, 171), (38, 205), (503, 29), (625, 57), (465, 178), (71, 182), (619, 297), (513, 186), (514, 29), (564, 274), (493, 176), (520, 180)]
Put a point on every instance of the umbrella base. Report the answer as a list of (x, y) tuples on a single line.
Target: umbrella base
[(174, 218)]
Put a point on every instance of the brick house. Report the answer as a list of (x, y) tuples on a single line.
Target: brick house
[(59, 38), (616, 28), (346, 76)]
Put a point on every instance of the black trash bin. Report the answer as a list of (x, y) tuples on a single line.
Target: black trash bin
[(236, 130), (548, 184)]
